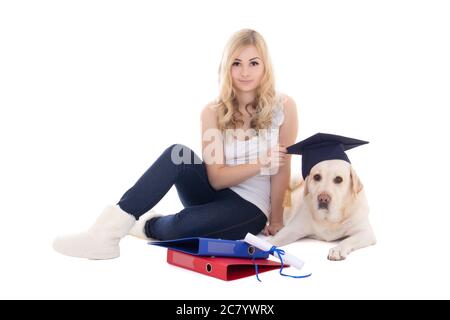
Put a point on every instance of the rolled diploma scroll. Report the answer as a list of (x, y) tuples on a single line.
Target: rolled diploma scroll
[(265, 246)]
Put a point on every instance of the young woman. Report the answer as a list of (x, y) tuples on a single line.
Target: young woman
[(239, 185)]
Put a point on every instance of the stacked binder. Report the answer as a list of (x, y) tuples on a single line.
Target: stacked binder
[(222, 259)]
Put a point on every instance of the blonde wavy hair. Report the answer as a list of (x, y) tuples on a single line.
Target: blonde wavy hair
[(226, 103)]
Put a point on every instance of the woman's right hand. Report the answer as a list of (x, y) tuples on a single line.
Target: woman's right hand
[(276, 158)]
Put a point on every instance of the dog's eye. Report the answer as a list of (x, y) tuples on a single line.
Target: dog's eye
[(338, 179), (317, 177)]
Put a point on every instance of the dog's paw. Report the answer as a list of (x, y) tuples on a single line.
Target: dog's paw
[(337, 253)]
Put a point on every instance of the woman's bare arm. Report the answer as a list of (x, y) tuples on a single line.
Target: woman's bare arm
[(279, 182)]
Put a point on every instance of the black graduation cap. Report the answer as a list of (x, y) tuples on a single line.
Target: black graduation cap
[(321, 147)]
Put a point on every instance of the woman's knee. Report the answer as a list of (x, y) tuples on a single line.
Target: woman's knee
[(181, 154)]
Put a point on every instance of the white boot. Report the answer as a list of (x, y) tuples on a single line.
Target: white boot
[(138, 230), (101, 240)]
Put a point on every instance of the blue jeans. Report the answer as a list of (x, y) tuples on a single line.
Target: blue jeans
[(207, 213)]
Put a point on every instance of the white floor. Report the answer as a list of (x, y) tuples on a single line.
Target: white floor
[(398, 266)]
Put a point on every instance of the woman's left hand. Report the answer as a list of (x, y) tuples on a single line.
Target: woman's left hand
[(272, 228)]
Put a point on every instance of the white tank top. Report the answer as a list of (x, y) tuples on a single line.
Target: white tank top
[(257, 188)]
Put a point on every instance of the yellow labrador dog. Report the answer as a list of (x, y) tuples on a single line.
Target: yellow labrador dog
[(329, 205)]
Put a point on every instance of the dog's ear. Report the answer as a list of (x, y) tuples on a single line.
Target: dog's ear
[(306, 191), (356, 184)]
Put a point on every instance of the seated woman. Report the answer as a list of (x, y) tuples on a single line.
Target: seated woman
[(239, 185)]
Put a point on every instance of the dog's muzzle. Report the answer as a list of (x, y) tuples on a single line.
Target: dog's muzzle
[(323, 200)]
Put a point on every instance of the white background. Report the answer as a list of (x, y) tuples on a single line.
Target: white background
[(91, 93)]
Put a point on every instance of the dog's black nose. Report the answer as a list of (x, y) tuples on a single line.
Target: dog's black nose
[(323, 199)]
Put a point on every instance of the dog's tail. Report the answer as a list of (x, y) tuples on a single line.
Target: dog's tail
[(296, 182)]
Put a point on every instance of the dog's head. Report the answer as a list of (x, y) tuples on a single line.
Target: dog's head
[(330, 188)]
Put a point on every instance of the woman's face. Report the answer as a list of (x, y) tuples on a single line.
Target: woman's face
[(247, 69)]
